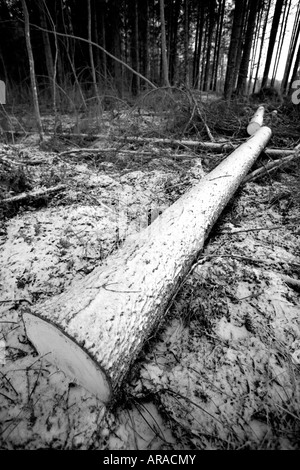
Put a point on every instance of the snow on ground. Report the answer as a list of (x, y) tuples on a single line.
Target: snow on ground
[(222, 370)]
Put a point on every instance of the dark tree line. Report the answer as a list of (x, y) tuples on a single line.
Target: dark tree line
[(216, 45)]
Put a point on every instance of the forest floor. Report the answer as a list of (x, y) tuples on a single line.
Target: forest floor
[(223, 369)]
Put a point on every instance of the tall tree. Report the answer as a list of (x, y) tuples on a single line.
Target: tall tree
[(164, 58), (282, 33), (292, 49), (198, 41), (210, 29), (47, 46), (265, 23), (243, 72), (113, 28), (145, 37), (32, 71), (173, 42), (255, 45), (219, 31), (135, 46), (295, 75), (235, 42), (274, 28), (186, 44), (93, 72)]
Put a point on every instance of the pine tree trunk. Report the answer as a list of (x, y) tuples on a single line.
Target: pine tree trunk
[(145, 34), (95, 330), (235, 45), (204, 53), (295, 69), (275, 23), (47, 48), (282, 34), (196, 48), (186, 44), (103, 39), (165, 73), (255, 45), (211, 25), (217, 45), (96, 36), (173, 56), (93, 71), (243, 72), (32, 72), (135, 48), (292, 49), (262, 44)]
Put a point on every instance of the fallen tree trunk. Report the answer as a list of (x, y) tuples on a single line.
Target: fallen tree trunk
[(95, 330)]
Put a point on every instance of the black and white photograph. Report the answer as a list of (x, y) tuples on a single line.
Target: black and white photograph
[(149, 228)]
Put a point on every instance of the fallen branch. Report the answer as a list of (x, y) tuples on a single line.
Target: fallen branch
[(258, 229), (211, 146), (125, 152), (271, 166), (33, 194), (12, 162)]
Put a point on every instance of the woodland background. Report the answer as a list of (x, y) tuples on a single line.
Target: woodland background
[(217, 45)]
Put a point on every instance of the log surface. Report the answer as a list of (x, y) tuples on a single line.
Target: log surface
[(95, 330)]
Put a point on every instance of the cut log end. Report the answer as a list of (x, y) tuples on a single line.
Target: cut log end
[(253, 127), (69, 357), (257, 121)]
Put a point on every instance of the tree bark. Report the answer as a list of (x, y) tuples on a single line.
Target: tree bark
[(255, 45), (282, 34), (218, 45), (295, 69), (135, 57), (173, 42), (243, 72), (93, 71), (275, 23), (292, 49), (186, 44), (32, 72), (145, 38), (47, 48), (165, 73), (236, 37), (211, 25), (197, 47), (262, 44), (95, 330)]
